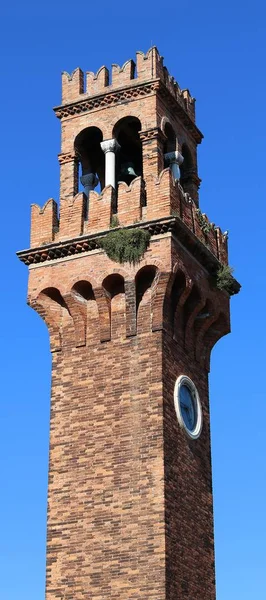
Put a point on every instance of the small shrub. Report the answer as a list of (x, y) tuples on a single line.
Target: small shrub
[(114, 221), (224, 278), (125, 245), (204, 224)]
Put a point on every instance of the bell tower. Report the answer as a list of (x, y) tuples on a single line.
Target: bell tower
[(132, 280)]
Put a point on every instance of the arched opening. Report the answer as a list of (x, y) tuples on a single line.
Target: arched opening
[(192, 302), (170, 142), (129, 158), (57, 315), (176, 311), (114, 285), (144, 281), (186, 169), (91, 158), (54, 295), (84, 289)]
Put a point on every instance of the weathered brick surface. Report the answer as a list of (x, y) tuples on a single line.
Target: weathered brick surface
[(129, 499), (130, 504), (106, 501), (190, 569)]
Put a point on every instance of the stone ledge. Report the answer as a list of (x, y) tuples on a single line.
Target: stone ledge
[(87, 243)]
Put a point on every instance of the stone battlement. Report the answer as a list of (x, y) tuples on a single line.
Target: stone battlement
[(77, 86), (137, 203)]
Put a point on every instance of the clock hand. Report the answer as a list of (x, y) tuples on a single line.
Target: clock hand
[(185, 408)]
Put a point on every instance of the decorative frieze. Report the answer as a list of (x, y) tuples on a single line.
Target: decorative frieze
[(155, 133), (67, 157), (104, 100)]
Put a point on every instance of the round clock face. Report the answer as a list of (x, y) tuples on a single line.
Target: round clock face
[(188, 407)]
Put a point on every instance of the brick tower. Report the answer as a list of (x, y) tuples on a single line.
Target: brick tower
[(130, 511)]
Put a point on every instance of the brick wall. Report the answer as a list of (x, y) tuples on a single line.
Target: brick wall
[(106, 502), (130, 504)]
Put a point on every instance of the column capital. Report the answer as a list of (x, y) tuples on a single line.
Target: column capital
[(111, 145), (89, 180), (174, 157)]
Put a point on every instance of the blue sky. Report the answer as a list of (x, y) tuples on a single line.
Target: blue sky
[(218, 51)]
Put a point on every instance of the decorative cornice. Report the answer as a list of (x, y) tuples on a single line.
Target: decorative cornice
[(174, 157), (104, 100), (135, 91), (87, 243)]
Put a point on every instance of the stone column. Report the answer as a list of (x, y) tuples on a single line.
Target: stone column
[(174, 160), (110, 148)]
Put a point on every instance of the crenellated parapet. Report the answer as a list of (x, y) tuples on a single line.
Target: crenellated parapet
[(148, 67), (44, 223), (139, 203), (95, 82), (123, 75)]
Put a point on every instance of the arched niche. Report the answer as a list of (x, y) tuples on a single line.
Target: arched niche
[(144, 280), (52, 294), (84, 289), (91, 157), (176, 309), (170, 141), (114, 287), (129, 158), (52, 307), (191, 306), (186, 169)]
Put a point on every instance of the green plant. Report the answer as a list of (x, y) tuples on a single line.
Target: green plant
[(204, 224), (224, 278), (125, 245), (114, 221)]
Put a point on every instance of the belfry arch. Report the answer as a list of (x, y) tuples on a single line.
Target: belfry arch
[(91, 158), (129, 158)]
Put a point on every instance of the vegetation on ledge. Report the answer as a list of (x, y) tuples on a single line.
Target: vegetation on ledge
[(224, 279), (204, 224), (125, 245)]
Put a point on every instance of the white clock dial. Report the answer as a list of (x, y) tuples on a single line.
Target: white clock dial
[(188, 407)]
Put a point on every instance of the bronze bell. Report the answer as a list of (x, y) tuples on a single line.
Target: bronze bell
[(128, 172)]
